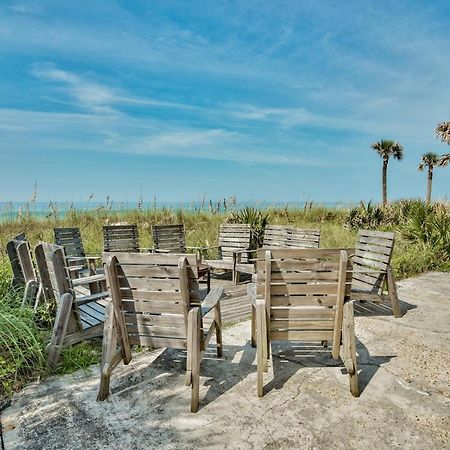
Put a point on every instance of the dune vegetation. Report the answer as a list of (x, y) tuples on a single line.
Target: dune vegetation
[(422, 244)]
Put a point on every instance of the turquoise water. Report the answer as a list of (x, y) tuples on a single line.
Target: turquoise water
[(15, 210)]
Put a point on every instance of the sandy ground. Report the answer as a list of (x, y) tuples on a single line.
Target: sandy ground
[(404, 377)]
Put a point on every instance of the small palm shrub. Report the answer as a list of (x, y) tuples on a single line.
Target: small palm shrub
[(430, 227), (365, 216), (257, 221)]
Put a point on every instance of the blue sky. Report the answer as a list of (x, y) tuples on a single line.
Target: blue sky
[(276, 101)]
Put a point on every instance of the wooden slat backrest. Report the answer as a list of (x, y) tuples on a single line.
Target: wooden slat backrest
[(156, 292), (372, 256), (303, 238), (304, 291), (276, 235), (11, 250), (26, 260), (51, 262), (169, 237), (70, 239), (234, 237), (120, 238), (19, 253), (287, 236)]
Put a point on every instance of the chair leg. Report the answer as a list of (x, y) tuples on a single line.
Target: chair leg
[(194, 331), (392, 290), (218, 325), (253, 336), (109, 345), (349, 348), (261, 346), (59, 329)]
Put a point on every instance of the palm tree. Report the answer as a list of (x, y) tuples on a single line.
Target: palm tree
[(444, 160), (387, 148), (443, 132), (429, 160)]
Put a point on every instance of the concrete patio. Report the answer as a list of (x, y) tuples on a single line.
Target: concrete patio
[(404, 378)]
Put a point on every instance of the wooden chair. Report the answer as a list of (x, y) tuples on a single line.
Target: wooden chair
[(372, 269), (283, 236), (303, 238), (276, 236), (171, 239), (299, 295), (234, 249), (79, 262), (81, 302), (11, 249), (156, 301), (24, 272), (120, 238)]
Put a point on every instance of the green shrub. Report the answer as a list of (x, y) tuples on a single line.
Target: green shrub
[(257, 221)]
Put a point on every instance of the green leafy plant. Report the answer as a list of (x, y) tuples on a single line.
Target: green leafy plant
[(365, 216), (256, 219)]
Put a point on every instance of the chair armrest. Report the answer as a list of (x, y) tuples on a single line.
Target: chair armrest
[(91, 298), (88, 280), (369, 271), (211, 300), (242, 251), (76, 258), (93, 257)]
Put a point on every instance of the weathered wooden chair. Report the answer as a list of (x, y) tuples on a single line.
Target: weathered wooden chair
[(171, 239), (24, 272), (234, 249), (120, 238), (303, 238), (283, 236), (156, 301), (81, 302), (79, 262), (11, 249), (276, 236), (299, 295), (372, 269)]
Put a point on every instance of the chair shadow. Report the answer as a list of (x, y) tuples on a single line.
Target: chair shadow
[(369, 309), (288, 357), (222, 373)]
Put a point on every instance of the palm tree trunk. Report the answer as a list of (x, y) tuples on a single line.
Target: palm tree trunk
[(430, 183), (384, 180)]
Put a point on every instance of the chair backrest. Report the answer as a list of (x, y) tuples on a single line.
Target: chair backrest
[(70, 239), (303, 238), (11, 250), (276, 235), (304, 291), (154, 292), (234, 236), (373, 254), (287, 236), (52, 267), (120, 238), (19, 253), (169, 237)]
